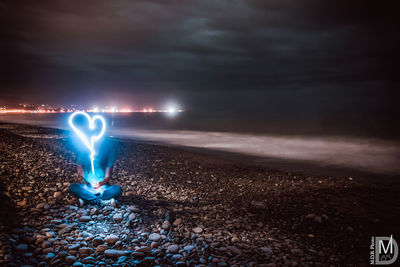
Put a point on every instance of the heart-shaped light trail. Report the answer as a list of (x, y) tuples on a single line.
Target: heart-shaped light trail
[(88, 143)]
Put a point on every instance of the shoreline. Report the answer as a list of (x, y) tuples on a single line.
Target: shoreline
[(294, 165), (246, 213)]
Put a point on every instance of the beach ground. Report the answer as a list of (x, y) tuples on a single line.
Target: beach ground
[(183, 208)]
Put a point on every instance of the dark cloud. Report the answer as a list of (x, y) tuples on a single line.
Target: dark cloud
[(199, 52)]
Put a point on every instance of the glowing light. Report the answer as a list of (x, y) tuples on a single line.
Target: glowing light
[(88, 143)]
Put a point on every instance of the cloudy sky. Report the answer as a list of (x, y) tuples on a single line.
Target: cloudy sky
[(259, 55)]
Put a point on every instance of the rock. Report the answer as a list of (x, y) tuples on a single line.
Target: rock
[(166, 225), (318, 219), (77, 264), (177, 257), (132, 216), (114, 253), (88, 259), (66, 229), (118, 217), (258, 204), (177, 222), (50, 255), (198, 230), (22, 203), (111, 239), (40, 205), (22, 247), (26, 188), (70, 259), (86, 250), (46, 244), (122, 259), (98, 241), (297, 252), (310, 216), (266, 250), (154, 237), (189, 248), (173, 248), (101, 248), (134, 209), (234, 249), (74, 246), (84, 218), (169, 216), (57, 195)]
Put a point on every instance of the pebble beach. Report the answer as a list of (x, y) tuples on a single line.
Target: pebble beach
[(182, 208)]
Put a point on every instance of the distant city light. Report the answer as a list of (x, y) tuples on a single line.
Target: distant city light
[(27, 108)]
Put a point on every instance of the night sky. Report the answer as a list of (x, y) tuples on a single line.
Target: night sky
[(311, 58)]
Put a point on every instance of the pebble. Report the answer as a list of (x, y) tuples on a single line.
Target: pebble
[(177, 222), (86, 250), (173, 248), (101, 248), (114, 253), (234, 249), (84, 218), (22, 247), (154, 237), (111, 239), (118, 217), (297, 252), (70, 259), (198, 230), (98, 241)]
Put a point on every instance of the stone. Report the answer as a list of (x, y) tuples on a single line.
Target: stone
[(98, 241), (122, 259), (115, 253), (297, 252), (70, 259), (134, 209), (50, 255), (85, 218), (86, 250), (177, 222), (101, 248), (198, 230), (46, 244), (57, 195), (22, 247), (234, 249), (74, 246), (258, 204), (173, 248), (154, 237), (40, 205), (118, 217), (111, 239), (188, 248), (88, 259), (266, 250)]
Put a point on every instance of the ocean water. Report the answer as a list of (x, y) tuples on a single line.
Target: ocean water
[(289, 142)]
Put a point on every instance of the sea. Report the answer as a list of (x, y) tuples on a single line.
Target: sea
[(299, 146)]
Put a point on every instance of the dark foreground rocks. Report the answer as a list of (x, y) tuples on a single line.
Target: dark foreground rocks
[(180, 208)]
